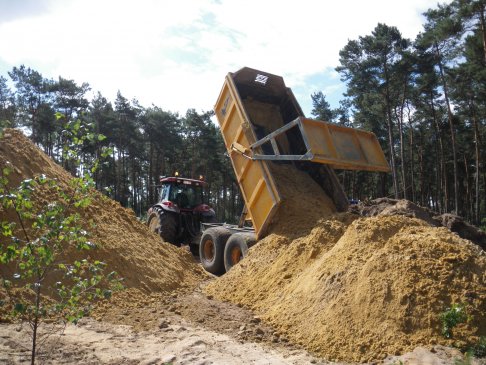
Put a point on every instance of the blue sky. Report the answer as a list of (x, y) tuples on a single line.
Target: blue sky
[(175, 54)]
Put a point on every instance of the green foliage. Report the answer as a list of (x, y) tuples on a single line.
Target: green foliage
[(466, 359), (425, 101), (4, 124), (476, 351), (321, 109), (39, 249), (451, 317), (47, 272), (479, 349)]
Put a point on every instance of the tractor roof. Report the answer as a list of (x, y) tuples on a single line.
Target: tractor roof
[(176, 179)]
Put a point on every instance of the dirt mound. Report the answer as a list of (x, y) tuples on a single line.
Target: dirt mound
[(353, 288), (463, 228), (126, 245), (387, 206)]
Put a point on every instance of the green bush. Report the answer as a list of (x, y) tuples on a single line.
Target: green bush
[(451, 317), (479, 349)]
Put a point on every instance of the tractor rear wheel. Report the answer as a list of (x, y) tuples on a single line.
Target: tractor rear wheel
[(168, 228), (211, 249), (154, 223), (164, 224), (237, 248)]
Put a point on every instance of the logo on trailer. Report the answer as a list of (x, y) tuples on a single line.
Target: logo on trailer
[(225, 106), (261, 79)]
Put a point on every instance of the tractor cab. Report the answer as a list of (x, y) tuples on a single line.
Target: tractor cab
[(180, 193)]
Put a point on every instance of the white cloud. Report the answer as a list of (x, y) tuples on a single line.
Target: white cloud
[(176, 53)]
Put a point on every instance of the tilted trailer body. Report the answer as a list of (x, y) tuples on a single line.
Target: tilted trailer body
[(261, 122)]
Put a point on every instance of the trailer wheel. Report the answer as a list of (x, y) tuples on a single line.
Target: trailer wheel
[(237, 248), (211, 249)]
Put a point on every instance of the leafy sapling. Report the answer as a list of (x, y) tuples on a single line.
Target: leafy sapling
[(46, 272)]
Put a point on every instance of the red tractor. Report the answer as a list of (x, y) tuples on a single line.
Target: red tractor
[(179, 212)]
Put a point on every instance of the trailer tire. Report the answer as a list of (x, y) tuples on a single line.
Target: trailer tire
[(211, 249), (237, 248)]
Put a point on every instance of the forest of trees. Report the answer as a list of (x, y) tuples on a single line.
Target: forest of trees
[(425, 99), (145, 143)]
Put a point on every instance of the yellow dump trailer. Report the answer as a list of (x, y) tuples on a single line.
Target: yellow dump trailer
[(261, 121), (254, 178)]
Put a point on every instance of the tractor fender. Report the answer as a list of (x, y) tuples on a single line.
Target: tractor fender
[(208, 215), (204, 209), (167, 206), (160, 209)]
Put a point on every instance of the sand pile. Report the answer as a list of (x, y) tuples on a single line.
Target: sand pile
[(304, 203), (358, 289), (388, 206), (126, 245)]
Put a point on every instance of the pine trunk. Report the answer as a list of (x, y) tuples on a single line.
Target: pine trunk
[(390, 134), (482, 21), (452, 131), (477, 163), (443, 186)]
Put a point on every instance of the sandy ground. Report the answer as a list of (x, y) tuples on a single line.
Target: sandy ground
[(178, 342), (189, 328), (185, 329)]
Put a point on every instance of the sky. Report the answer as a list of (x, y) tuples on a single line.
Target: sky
[(175, 54)]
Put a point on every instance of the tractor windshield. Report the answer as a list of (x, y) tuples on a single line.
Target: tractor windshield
[(186, 196)]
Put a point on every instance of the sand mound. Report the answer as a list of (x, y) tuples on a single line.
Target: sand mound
[(387, 206), (358, 289), (126, 245)]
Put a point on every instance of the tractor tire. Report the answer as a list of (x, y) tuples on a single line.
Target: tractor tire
[(153, 223), (194, 249), (168, 228), (237, 248), (211, 249), (164, 224)]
